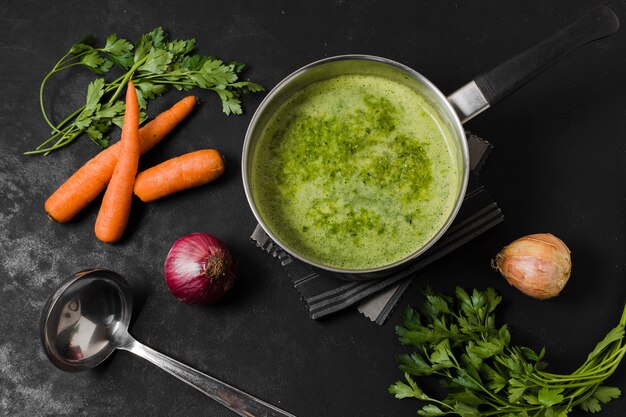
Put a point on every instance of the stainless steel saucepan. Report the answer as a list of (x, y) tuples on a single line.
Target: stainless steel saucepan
[(454, 110)]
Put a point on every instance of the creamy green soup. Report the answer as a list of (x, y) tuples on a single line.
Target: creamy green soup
[(354, 172)]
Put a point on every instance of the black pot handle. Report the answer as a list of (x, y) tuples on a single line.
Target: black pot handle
[(507, 77)]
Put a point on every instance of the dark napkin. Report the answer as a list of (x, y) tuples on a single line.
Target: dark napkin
[(324, 294)]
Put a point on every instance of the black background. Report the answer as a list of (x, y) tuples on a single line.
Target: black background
[(558, 166)]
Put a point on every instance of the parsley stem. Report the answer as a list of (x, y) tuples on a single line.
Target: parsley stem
[(62, 141), (171, 82), (578, 399), (57, 68), (38, 150), (43, 110), (507, 411), (125, 79), (41, 87), (479, 384), (488, 376), (604, 369), (57, 130), (153, 57), (75, 114)]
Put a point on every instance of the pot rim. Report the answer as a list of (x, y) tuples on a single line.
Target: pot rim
[(452, 117)]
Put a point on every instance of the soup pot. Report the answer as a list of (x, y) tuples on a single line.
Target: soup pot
[(453, 110)]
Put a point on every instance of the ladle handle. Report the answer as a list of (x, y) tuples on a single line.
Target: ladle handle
[(490, 87), (232, 398)]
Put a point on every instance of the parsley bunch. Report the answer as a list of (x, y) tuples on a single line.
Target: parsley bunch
[(484, 374), (155, 64)]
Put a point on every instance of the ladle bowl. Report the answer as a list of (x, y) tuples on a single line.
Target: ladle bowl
[(87, 318)]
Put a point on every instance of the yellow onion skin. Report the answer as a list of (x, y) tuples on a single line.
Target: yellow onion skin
[(539, 265)]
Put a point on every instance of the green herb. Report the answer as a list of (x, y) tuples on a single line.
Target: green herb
[(155, 64), (456, 338), (362, 144)]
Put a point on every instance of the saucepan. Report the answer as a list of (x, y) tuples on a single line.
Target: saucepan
[(453, 110)]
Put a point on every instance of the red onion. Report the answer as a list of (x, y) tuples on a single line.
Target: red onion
[(199, 269)]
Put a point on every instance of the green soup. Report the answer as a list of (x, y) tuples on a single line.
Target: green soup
[(354, 172)]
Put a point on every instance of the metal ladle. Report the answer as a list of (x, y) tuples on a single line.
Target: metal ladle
[(87, 318)]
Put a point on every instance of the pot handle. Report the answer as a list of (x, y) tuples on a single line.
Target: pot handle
[(490, 87)]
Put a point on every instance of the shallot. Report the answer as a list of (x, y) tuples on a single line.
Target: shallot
[(539, 265), (199, 269)]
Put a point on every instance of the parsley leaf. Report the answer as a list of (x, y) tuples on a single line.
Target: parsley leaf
[(109, 111), (616, 334), (94, 131), (605, 394), (466, 397), (94, 94), (119, 51), (148, 91), (155, 64), (85, 44), (95, 62), (456, 339), (230, 103), (431, 410), (403, 390), (180, 47), (549, 397), (414, 364), (591, 405), (465, 410), (148, 42)]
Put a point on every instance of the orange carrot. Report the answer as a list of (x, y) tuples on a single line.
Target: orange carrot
[(177, 174), (92, 178), (115, 210)]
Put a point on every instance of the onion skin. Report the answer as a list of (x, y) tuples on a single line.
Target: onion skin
[(539, 265), (199, 269)]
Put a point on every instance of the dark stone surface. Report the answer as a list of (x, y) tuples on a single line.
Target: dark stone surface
[(558, 166)]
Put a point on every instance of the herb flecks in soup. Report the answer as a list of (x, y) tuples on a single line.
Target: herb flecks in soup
[(354, 172)]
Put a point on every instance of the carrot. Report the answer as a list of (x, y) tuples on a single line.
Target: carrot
[(177, 174), (92, 178), (115, 209)]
